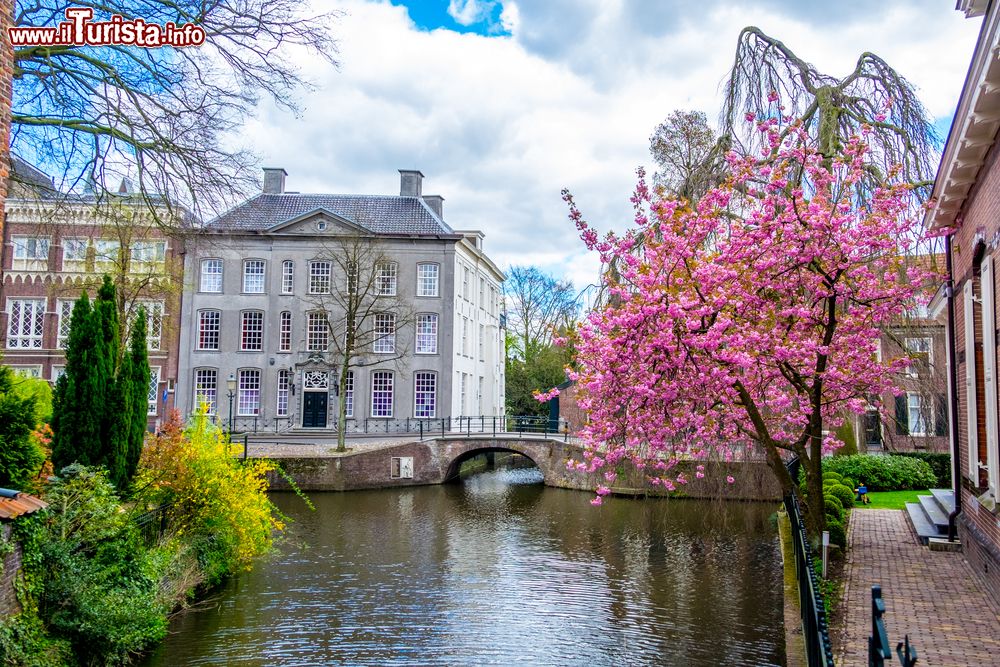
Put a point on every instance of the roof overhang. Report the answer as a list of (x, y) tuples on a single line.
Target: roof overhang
[(973, 130)]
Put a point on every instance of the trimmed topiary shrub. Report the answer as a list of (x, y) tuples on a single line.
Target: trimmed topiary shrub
[(833, 508), (939, 462), (838, 534), (883, 472), (829, 474), (843, 494)]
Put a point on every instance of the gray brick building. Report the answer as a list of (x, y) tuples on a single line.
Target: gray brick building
[(264, 311)]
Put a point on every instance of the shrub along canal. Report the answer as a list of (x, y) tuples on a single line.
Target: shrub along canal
[(499, 570)]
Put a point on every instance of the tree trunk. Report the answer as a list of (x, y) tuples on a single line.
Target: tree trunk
[(342, 407)]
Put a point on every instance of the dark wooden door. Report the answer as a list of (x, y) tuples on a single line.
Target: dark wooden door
[(314, 409), (873, 429)]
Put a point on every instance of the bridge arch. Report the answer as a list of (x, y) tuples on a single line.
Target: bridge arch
[(452, 472)]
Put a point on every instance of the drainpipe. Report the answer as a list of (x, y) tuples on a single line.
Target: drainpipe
[(956, 471)]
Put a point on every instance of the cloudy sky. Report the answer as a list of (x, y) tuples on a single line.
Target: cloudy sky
[(501, 104)]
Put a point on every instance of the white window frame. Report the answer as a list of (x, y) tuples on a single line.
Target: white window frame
[(349, 395), (26, 370), (254, 276), (204, 328), (64, 311), (387, 380), (148, 252), (914, 345), (919, 422), (385, 278), (427, 333), (205, 393), (425, 391), (26, 332), (153, 394), (29, 248), (320, 276), (284, 383), (384, 329), (288, 277), (248, 392), (428, 275), (285, 331), (155, 312), (251, 330), (210, 275), (317, 331), (70, 262), (107, 253)]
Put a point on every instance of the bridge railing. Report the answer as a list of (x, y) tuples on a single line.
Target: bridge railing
[(878, 640), (468, 426)]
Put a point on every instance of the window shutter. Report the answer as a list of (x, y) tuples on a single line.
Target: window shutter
[(990, 366), (972, 428), (941, 415), (902, 416)]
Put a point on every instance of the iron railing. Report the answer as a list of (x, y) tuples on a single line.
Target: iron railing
[(467, 426), (878, 640), (819, 650), (152, 524)]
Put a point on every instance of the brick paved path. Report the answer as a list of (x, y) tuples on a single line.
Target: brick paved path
[(933, 596)]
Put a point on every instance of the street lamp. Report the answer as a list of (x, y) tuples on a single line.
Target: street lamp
[(231, 386)]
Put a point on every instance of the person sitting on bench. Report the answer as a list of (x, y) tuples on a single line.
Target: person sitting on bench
[(862, 491)]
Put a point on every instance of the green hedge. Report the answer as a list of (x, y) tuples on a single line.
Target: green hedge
[(939, 462), (883, 472)]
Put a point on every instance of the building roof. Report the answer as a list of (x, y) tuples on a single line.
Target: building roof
[(974, 130), (14, 503), (381, 214)]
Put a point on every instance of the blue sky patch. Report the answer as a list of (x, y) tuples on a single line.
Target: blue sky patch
[(432, 14)]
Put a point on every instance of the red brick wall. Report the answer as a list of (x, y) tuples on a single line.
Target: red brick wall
[(980, 218), (6, 73)]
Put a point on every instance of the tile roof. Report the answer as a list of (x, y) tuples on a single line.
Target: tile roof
[(382, 214), (14, 503)]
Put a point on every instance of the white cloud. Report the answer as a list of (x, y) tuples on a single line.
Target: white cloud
[(469, 12), (500, 125)]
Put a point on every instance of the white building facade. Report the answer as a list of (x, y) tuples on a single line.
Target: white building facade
[(260, 286)]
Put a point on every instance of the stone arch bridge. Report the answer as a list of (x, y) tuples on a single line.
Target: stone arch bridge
[(437, 460)]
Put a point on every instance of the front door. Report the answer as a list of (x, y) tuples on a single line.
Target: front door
[(314, 409), (873, 429)]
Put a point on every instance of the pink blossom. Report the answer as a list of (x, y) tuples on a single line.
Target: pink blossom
[(597, 501), (714, 313)]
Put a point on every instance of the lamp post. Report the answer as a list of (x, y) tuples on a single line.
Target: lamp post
[(231, 386)]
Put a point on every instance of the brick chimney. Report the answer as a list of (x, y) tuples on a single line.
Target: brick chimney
[(410, 182), (274, 180)]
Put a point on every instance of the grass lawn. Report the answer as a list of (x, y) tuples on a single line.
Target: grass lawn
[(891, 500)]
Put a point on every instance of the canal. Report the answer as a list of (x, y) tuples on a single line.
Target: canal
[(498, 570)]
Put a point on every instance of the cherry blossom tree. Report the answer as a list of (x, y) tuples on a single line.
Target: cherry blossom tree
[(750, 321)]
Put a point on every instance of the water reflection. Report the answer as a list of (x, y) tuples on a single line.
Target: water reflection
[(499, 570)]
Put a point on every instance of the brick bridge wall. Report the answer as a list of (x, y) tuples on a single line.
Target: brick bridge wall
[(436, 460)]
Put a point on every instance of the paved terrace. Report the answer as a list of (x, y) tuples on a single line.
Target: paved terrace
[(935, 597)]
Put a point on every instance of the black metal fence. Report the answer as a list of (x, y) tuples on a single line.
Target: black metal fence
[(468, 426), (152, 524), (819, 650), (878, 641)]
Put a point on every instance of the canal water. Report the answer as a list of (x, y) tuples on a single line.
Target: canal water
[(499, 570)]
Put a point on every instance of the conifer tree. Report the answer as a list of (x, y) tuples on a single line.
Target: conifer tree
[(78, 404), (135, 373)]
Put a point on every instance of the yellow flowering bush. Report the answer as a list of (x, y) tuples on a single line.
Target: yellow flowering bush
[(218, 502)]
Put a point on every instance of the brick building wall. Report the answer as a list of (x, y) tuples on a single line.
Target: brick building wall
[(11, 566), (6, 87), (979, 528)]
